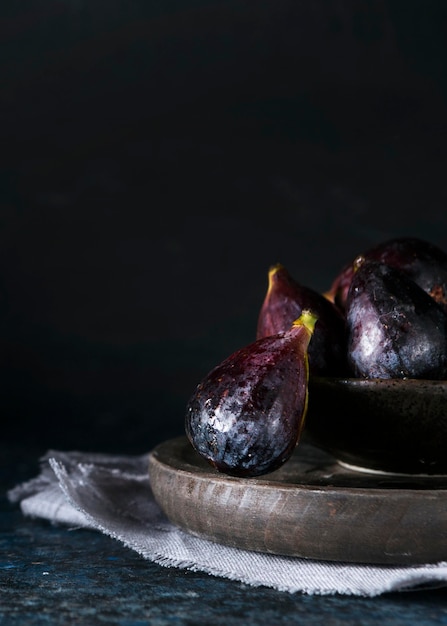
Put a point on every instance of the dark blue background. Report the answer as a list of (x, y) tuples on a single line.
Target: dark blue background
[(158, 157)]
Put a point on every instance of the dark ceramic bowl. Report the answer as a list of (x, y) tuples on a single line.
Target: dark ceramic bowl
[(397, 426)]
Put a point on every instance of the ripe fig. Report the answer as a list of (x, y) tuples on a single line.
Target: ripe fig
[(421, 260), (283, 303), (246, 416), (338, 291), (395, 329)]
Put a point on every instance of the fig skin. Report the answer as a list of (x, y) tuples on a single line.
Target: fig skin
[(284, 302), (246, 416), (338, 291), (395, 329), (421, 260)]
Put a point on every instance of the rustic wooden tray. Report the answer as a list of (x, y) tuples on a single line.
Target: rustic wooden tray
[(312, 507)]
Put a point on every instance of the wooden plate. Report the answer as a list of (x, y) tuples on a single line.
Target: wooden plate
[(312, 507)]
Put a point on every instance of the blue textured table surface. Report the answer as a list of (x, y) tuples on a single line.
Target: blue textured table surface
[(52, 575)]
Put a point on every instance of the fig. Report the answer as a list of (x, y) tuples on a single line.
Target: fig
[(284, 302), (421, 260), (338, 291), (246, 416), (395, 329)]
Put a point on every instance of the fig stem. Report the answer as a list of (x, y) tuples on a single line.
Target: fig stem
[(306, 319)]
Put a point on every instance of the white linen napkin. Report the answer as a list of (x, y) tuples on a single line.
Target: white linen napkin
[(112, 494)]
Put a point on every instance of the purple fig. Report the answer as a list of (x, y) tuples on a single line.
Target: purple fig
[(396, 330), (422, 261), (283, 303), (246, 416), (338, 291)]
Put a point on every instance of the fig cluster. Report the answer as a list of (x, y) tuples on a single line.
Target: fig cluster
[(384, 316), (393, 298)]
